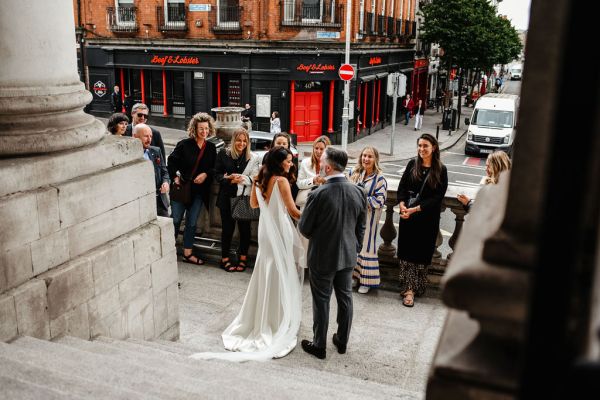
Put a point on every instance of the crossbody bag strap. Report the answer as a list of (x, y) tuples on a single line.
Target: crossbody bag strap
[(198, 161), (424, 181)]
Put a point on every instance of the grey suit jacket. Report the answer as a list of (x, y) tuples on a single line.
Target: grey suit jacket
[(161, 174), (334, 222)]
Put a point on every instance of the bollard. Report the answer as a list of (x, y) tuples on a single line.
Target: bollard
[(449, 131), (437, 132)]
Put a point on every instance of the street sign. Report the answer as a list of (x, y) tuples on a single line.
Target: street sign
[(346, 72)]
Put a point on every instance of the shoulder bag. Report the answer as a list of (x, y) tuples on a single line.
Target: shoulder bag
[(241, 210), (182, 192), (413, 199)]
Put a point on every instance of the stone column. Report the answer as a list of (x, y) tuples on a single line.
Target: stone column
[(41, 97), (82, 252)]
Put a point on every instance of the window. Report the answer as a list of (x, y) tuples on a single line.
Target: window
[(312, 10), (156, 90), (493, 118), (175, 11), (178, 93), (228, 13), (125, 12)]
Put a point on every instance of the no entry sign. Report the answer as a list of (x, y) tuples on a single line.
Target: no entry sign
[(346, 72)]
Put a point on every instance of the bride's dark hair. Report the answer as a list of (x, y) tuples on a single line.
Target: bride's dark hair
[(272, 167)]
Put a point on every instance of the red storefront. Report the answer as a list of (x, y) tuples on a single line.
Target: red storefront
[(419, 80)]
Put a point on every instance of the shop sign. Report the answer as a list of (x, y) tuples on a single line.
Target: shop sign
[(374, 60), (100, 88), (315, 68), (200, 7), (308, 85), (174, 60)]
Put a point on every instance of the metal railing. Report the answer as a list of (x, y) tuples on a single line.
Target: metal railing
[(326, 14), (381, 25), (171, 19), (371, 24), (122, 19), (226, 19), (390, 27), (398, 27)]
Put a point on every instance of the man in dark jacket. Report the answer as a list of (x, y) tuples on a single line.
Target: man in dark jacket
[(335, 213), (161, 175), (116, 101), (139, 115)]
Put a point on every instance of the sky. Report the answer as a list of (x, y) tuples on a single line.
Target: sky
[(517, 11)]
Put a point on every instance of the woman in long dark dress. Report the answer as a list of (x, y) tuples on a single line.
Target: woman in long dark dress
[(420, 222)]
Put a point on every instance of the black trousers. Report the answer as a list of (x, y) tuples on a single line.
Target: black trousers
[(321, 286), (228, 226)]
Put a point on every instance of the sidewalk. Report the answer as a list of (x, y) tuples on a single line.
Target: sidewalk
[(405, 138)]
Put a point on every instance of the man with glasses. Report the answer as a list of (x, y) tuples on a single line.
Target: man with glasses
[(139, 115)]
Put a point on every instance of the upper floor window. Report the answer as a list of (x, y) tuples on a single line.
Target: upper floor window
[(311, 12), (125, 12), (175, 11)]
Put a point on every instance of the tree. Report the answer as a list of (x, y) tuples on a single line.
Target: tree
[(470, 32)]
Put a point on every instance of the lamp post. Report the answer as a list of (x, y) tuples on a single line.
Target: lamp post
[(345, 112)]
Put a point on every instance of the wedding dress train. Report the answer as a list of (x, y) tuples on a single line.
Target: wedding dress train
[(268, 322)]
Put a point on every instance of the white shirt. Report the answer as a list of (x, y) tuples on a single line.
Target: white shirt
[(306, 174), (338, 175)]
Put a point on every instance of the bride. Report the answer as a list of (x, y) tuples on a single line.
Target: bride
[(268, 322)]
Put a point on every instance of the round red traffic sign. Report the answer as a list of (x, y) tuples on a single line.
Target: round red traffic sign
[(346, 72)]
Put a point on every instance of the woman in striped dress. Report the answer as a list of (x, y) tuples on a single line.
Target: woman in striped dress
[(368, 175)]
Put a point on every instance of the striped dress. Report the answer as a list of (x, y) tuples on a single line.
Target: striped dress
[(367, 264)]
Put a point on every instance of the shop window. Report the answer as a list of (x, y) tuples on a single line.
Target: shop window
[(156, 90), (178, 93), (135, 85)]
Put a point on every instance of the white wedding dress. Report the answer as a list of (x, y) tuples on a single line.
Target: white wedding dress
[(268, 322)]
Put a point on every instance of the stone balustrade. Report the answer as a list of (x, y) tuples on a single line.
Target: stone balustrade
[(209, 228)]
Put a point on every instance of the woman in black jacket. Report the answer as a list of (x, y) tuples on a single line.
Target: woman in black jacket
[(233, 170), (426, 179), (193, 160)]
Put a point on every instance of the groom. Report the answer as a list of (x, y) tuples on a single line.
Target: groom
[(334, 222)]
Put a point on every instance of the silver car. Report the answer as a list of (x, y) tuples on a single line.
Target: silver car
[(260, 143)]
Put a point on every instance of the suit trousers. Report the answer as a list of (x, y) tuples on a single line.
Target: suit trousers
[(321, 286)]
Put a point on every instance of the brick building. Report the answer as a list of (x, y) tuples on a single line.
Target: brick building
[(185, 56)]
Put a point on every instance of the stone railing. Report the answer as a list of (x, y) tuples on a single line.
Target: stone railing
[(387, 250), (209, 231)]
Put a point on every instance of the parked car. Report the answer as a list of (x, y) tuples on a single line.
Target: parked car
[(260, 143)]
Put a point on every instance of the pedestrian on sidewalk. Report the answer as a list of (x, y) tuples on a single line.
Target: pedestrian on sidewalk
[(369, 177), (117, 124), (275, 122), (116, 102), (419, 111), (407, 108), (420, 193)]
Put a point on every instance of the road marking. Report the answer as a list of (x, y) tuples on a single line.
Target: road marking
[(474, 161), (464, 173), (392, 175), (467, 185), (464, 166), (394, 165), (450, 152)]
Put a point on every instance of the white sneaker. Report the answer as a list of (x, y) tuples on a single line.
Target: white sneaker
[(354, 283), (363, 289)]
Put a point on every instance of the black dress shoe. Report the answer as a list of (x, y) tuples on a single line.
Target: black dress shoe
[(341, 348), (310, 348)]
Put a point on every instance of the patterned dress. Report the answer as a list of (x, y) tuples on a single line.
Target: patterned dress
[(367, 264)]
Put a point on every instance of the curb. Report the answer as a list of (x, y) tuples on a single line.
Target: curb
[(445, 146)]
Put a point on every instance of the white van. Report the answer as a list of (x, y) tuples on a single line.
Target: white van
[(516, 72), (493, 124)]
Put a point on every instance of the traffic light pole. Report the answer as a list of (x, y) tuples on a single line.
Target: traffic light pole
[(345, 112)]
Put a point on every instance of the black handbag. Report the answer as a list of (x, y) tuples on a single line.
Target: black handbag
[(413, 199), (182, 192), (241, 210)]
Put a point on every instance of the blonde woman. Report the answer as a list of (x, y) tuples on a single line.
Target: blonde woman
[(193, 159), (310, 168), (368, 175), (233, 168), (495, 163)]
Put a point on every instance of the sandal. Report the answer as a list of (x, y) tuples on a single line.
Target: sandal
[(241, 267), (224, 264), (229, 267), (188, 259), (409, 299)]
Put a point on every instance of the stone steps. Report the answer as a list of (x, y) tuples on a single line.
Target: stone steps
[(71, 367)]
